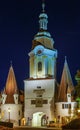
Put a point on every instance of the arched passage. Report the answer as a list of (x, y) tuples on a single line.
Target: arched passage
[(38, 119)]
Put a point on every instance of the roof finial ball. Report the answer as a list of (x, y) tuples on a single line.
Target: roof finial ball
[(43, 6)]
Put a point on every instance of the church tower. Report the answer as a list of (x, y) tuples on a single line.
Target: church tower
[(43, 54), (39, 88)]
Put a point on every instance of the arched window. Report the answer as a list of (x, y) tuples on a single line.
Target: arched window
[(39, 66)]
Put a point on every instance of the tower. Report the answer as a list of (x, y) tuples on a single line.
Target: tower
[(40, 87), (11, 105), (65, 105), (66, 84)]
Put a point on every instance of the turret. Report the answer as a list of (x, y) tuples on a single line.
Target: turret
[(10, 94), (66, 85), (4, 96), (68, 94), (16, 98)]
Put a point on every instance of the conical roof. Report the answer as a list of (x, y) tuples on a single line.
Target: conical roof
[(66, 85), (11, 86)]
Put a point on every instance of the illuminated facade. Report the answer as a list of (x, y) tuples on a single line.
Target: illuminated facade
[(11, 108), (40, 87), (44, 99)]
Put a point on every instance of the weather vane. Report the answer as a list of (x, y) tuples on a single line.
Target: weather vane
[(43, 5)]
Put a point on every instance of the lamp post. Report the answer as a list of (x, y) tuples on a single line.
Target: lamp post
[(9, 113)]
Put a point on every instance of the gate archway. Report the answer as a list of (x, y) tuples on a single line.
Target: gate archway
[(38, 119)]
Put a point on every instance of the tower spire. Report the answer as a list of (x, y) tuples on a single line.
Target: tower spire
[(66, 84), (43, 37), (65, 59), (11, 62)]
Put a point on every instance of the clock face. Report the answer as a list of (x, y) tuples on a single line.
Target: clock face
[(39, 52)]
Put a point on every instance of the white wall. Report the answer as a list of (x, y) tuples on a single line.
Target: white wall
[(14, 111), (30, 85), (65, 112)]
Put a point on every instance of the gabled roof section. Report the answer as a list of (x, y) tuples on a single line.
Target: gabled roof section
[(66, 85)]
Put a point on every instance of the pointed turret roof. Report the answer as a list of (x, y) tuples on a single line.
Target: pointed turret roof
[(11, 86), (66, 85)]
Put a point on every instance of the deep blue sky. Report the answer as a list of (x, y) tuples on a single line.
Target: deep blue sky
[(19, 24)]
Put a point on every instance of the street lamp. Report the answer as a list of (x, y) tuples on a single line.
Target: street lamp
[(9, 113)]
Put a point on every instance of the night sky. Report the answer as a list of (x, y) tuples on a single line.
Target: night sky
[(19, 24)]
